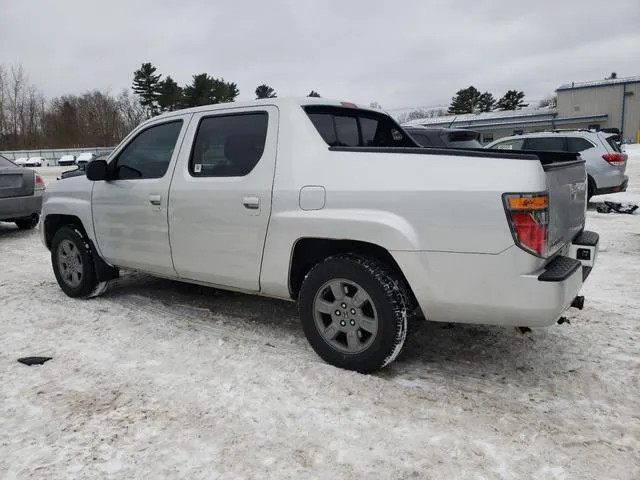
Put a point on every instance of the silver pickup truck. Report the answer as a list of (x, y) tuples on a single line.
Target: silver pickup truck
[(333, 206)]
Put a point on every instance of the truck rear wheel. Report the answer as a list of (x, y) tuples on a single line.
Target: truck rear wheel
[(72, 261), (354, 312)]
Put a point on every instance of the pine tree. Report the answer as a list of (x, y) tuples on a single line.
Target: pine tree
[(313, 93), (265, 91), (465, 100), (206, 90), (486, 102), (146, 84), (170, 97), (512, 100)]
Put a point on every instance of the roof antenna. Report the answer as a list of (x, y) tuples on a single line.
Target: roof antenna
[(454, 119)]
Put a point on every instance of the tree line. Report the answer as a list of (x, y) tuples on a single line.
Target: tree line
[(472, 100), (93, 119), (99, 118), (157, 95)]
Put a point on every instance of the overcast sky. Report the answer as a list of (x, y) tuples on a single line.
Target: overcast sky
[(403, 53)]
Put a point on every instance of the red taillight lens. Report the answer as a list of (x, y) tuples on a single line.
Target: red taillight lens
[(530, 233), (615, 159), (39, 184), (528, 215)]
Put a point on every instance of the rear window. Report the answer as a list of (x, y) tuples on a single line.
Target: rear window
[(551, 144), (613, 144), (348, 127), (4, 162)]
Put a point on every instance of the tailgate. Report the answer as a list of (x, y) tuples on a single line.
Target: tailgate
[(16, 182), (566, 183)]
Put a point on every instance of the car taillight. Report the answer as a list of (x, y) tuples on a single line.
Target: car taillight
[(615, 159), (528, 215), (39, 184)]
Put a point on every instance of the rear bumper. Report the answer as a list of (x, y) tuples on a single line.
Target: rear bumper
[(512, 288), (615, 189), (19, 207)]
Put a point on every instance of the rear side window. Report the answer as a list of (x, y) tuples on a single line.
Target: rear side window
[(577, 144), (551, 144), (348, 127), (6, 163), (515, 144), (229, 145), (347, 131), (422, 139), (613, 144)]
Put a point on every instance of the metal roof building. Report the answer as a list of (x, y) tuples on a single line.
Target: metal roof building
[(595, 105)]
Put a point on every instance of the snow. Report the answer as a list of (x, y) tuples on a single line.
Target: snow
[(163, 380), (502, 115), (599, 83)]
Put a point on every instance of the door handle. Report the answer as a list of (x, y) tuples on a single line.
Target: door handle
[(155, 199), (251, 203)]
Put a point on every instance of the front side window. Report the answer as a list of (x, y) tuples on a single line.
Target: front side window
[(577, 144), (148, 155), (349, 127), (229, 145)]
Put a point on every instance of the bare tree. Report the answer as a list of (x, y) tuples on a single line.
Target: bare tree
[(549, 101), (419, 113)]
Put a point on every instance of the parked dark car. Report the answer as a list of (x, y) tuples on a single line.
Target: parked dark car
[(444, 137), (21, 191)]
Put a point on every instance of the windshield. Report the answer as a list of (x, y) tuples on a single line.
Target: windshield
[(463, 139)]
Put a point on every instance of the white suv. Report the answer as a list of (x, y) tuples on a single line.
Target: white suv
[(605, 162)]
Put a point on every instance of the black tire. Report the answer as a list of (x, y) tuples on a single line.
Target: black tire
[(28, 223), (385, 291), (591, 188), (88, 285)]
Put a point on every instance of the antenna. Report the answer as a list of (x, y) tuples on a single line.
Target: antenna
[(454, 119)]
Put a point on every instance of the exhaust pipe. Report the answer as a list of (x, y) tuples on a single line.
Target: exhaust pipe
[(578, 302)]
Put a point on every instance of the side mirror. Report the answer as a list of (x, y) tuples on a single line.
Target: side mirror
[(97, 170)]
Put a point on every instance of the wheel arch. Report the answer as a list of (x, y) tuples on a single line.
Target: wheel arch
[(309, 251), (54, 222)]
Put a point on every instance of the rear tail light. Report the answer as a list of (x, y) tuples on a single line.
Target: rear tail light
[(39, 184), (615, 159), (528, 215)]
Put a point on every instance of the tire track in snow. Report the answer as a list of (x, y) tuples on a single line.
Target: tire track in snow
[(205, 320)]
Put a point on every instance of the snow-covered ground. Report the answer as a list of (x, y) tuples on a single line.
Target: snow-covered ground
[(162, 380)]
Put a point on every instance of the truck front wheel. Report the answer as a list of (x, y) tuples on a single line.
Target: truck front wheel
[(354, 313), (72, 262)]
